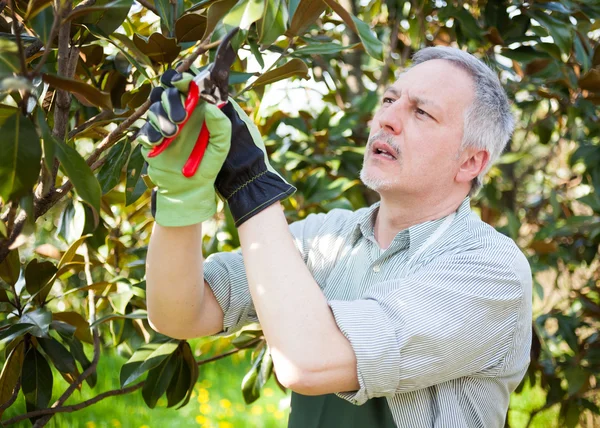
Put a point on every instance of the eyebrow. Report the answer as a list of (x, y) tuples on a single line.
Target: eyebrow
[(415, 99)]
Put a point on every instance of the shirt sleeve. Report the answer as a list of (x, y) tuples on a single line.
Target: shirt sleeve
[(226, 275), (464, 315)]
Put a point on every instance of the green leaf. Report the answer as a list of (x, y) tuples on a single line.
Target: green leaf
[(59, 355), (321, 49), (245, 13), (6, 111), (165, 11), (88, 92), (21, 154), (216, 12), (190, 27), (10, 268), (304, 14), (108, 15), (72, 221), (48, 140), (560, 31), (180, 382), (265, 370), (40, 319), (77, 351), (294, 67), (80, 174), (157, 47), (11, 370), (42, 23), (158, 380), (192, 365), (14, 331), (63, 328), (273, 23), (591, 80), (135, 186), (145, 358), (250, 388), (36, 380), (110, 173), (37, 275), (70, 253), (9, 57), (137, 314)]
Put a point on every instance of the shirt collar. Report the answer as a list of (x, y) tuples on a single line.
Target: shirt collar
[(415, 235)]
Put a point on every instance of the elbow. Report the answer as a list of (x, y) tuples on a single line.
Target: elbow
[(168, 329), (300, 380)]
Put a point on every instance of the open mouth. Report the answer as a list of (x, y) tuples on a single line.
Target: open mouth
[(384, 150)]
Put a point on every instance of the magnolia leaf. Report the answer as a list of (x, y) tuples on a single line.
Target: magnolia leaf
[(20, 160), (82, 327), (157, 47), (145, 358), (304, 15), (37, 275), (70, 253), (190, 27), (11, 370), (110, 173), (216, 12), (273, 23), (245, 13), (294, 67), (59, 355), (137, 314), (158, 380), (10, 268), (88, 92), (40, 319), (36, 380), (80, 174)]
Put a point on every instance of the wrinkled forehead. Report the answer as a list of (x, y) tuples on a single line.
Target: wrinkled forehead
[(440, 80)]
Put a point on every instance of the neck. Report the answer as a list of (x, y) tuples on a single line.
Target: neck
[(397, 214)]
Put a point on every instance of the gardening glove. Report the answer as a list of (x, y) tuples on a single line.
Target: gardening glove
[(247, 181), (180, 200)]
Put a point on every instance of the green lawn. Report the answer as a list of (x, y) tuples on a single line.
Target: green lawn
[(217, 401)]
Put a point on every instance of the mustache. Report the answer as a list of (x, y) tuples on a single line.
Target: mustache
[(384, 136)]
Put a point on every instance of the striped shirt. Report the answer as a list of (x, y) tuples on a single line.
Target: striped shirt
[(440, 321)]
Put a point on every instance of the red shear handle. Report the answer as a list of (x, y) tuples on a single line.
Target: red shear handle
[(193, 162), (190, 104)]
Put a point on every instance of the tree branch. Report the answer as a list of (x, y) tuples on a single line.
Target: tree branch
[(148, 6), (41, 206), (17, 32), (13, 397), (63, 98), (111, 393), (51, 37)]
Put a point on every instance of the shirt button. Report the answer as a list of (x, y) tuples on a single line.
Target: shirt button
[(376, 268)]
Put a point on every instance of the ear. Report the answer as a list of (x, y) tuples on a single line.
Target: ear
[(472, 166)]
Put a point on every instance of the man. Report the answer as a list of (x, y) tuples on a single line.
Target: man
[(409, 313)]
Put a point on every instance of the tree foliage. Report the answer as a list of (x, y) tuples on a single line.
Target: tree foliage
[(75, 222)]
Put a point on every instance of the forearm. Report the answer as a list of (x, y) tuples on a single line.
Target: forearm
[(174, 278), (296, 319)]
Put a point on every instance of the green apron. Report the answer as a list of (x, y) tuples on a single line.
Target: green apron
[(331, 411)]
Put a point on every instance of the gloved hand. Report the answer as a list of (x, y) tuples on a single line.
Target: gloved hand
[(180, 200), (247, 181)]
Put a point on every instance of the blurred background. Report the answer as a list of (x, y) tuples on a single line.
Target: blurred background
[(74, 206)]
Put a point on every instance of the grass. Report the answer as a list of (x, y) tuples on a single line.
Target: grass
[(217, 400)]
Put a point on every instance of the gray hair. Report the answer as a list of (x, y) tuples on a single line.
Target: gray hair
[(488, 122)]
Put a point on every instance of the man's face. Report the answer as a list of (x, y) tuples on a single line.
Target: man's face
[(417, 131)]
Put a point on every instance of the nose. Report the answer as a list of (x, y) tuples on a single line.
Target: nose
[(390, 117)]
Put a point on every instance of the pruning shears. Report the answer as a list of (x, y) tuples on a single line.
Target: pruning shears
[(212, 85)]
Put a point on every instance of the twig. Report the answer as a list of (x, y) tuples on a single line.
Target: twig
[(33, 48), (41, 206), (63, 98), (104, 114), (13, 397), (51, 37), (17, 32), (111, 393), (148, 6)]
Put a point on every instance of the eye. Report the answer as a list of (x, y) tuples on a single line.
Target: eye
[(387, 100), (422, 112)]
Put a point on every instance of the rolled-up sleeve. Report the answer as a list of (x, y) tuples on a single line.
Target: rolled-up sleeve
[(462, 315), (226, 275)]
